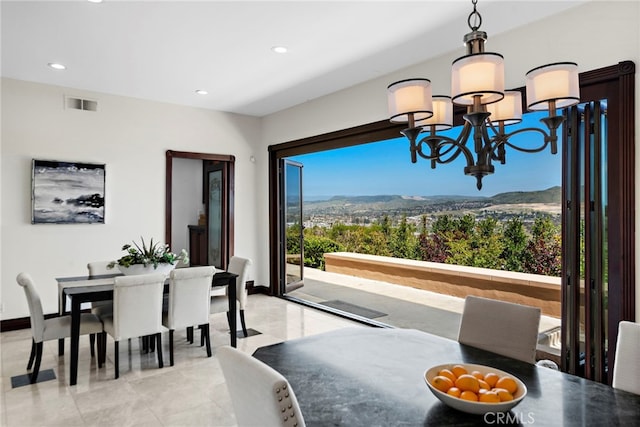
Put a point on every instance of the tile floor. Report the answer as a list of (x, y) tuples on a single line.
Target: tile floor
[(191, 393)]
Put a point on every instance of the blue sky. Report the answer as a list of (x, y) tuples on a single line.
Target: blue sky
[(385, 168)]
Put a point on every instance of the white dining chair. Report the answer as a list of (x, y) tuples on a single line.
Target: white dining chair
[(500, 327), (137, 312), (99, 268), (260, 395), (188, 304), (220, 302), (626, 370), (54, 328)]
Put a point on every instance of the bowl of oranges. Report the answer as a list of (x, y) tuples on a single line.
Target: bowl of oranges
[(475, 389)]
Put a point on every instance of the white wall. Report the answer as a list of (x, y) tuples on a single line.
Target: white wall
[(131, 137), (594, 35), (186, 200)]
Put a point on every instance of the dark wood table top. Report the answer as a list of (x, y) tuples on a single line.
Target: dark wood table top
[(374, 377)]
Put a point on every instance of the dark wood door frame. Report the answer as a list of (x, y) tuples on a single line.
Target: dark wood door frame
[(230, 162)]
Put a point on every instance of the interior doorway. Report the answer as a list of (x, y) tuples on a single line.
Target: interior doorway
[(191, 180)]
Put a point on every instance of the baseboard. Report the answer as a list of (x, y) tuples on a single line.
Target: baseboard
[(14, 324)]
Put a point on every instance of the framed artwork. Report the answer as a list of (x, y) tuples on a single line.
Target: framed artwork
[(67, 192)]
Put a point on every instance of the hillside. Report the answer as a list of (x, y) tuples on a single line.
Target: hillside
[(416, 205)]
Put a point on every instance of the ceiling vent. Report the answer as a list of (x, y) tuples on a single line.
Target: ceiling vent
[(80, 104)]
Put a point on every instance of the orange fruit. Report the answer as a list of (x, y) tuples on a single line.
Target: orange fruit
[(454, 391), (503, 394), (442, 383), (491, 378), (507, 383), (466, 382), (484, 385), (469, 395), (489, 397), (478, 375), (447, 373), (459, 370)]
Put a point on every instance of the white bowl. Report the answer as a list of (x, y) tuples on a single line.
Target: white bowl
[(467, 405)]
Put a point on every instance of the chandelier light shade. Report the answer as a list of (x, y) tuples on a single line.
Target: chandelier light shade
[(442, 118), (508, 110), (477, 83), (477, 77), (410, 100), (553, 83)]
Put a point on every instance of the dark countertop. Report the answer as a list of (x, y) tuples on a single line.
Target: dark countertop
[(374, 377)]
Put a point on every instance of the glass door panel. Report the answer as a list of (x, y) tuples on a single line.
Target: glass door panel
[(293, 226)]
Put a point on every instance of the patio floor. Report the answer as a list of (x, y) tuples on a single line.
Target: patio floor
[(395, 305)]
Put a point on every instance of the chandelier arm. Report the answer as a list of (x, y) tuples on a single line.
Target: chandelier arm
[(547, 139), (437, 144)]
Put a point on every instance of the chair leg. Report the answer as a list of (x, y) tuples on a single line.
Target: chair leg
[(92, 341), (205, 334), (152, 343), (61, 347), (244, 326), (32, 356), (201, 327), (102, 348), (116, 358), (159, 339), (36, 368), (190, 334), (171, 347)]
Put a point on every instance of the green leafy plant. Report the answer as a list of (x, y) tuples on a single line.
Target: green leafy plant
[(154, 254)]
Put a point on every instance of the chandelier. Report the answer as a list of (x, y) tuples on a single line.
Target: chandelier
[(477, 82)]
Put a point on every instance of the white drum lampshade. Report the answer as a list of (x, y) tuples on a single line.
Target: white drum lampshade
[(507, 110), (408, 98), (479, 74), (442, 117), (553, 82)]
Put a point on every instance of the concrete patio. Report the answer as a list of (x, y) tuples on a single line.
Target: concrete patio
[(392, 304)]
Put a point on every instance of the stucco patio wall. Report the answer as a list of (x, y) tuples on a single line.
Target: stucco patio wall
[(459, 281)]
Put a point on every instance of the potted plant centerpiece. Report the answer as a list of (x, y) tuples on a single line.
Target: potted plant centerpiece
[(143, 259)]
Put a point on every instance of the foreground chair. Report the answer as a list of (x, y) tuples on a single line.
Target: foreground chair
[(261, 396), (626, 371), (220, 303), (500, 327), (99, 268), (188, 305), (137, 312), (52, 329)]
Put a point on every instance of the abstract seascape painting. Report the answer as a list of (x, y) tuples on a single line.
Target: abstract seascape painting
[(67, 192)]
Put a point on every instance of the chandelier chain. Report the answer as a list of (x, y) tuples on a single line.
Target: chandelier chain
[(475, 16)]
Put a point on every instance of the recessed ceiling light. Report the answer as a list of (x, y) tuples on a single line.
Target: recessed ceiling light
[(202, 92), (95, 1), (279, 49), (57, 66)]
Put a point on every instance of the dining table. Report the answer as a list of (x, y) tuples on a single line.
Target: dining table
[(361, 376), (84, 289)]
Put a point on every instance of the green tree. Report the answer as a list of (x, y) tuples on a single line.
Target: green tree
[(515, 244)]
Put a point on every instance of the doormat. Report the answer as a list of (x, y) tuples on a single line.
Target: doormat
[(22, 380), (354, 309), (250, 333)]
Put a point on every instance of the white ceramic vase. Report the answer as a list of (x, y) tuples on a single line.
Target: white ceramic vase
[(134, 269)]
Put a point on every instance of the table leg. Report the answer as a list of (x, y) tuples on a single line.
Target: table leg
[(75, 340), (231, 292)]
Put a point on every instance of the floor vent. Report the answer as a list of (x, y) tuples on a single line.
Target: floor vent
[(80, 104)]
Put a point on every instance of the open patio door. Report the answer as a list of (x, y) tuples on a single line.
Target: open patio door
[(292, 250)]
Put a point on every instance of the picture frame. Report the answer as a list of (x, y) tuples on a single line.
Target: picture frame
[(65, 192)]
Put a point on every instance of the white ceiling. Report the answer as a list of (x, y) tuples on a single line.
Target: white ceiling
[(165, 50)]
